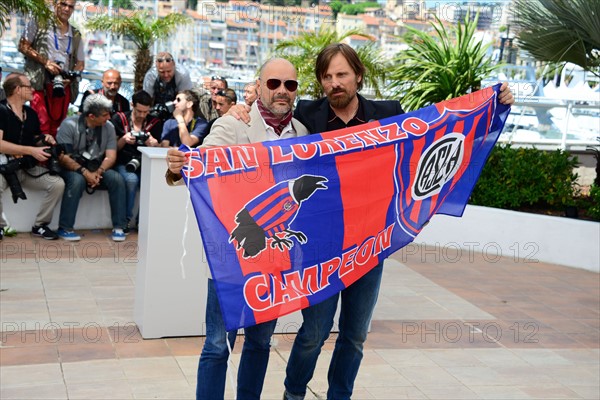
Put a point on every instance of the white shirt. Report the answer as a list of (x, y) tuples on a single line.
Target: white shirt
[(286, 133)]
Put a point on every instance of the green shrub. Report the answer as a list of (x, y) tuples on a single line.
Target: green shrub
[(516, 178), (594, 200)]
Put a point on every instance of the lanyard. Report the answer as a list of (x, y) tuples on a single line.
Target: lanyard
[(22, 123), (56, 42)]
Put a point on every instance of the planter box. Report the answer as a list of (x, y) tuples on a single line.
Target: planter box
[(522, 236)]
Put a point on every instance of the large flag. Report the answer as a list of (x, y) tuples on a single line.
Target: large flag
[(288, 223)]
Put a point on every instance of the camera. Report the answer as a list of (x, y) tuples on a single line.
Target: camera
[(134, 164), (58, 82), (8, 168), (89, 163), (163, 111), (140, 137), (54, 151)]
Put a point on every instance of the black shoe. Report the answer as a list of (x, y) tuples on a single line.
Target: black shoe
[(1, 233), (44, 232), (127, 229)]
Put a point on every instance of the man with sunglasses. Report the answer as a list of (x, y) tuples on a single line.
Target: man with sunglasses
[(340, 73), (225, 99), (166, 79), (49, 50), (208, 101), (271, 120), (187, 126)]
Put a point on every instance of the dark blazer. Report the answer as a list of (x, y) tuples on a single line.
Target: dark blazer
[(313, 113)]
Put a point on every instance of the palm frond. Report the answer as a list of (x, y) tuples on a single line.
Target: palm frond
[(143, 30), (560, 31), (37, 9), (440, 65)]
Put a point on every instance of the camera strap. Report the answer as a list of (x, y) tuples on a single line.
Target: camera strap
[(164, 92), (124, 121), (82, 131), (36, 176)]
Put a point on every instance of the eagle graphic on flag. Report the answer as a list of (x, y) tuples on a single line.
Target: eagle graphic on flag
[(271, 213), (286, 224)]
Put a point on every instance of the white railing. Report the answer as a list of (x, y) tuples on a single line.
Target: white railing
[(567, 124)]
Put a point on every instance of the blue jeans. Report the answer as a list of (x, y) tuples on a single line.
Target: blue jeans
[(212, 368), (75, 185), (358, 303), (132, 184)]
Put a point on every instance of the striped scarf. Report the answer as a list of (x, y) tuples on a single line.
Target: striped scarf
[(278, 124)]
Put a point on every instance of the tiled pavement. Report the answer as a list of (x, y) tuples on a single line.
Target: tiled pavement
[(448, 325)]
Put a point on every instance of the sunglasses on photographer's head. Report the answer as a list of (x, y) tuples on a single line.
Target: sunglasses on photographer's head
[(216, 78), (224, 94), (165, 59), (290, 85)]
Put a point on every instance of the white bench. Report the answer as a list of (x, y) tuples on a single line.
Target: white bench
[(93, 211)]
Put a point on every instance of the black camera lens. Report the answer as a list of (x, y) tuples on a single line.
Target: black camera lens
[(9, 171)]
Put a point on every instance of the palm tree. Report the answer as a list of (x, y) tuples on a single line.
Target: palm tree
[(560, 31), (38, 9), (143, 31), (441, 66), (302, 51)]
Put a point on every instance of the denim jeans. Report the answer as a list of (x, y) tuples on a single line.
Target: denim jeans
[(132, 184), (212, 368), (358, 303), (75, 185)]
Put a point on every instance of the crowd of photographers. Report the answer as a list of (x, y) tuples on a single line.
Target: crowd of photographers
[(99, 147)]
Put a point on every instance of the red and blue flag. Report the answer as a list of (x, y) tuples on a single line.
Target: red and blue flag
[(288, 223)]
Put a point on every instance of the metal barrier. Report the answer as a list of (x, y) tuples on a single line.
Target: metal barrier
[(546, 123)]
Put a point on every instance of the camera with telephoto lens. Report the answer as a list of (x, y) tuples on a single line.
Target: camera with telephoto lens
[(140, 140), (88, 162), (163, 111), (8, 168), (58, 82), (134, 164)]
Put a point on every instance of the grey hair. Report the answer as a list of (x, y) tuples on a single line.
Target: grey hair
[(96, 104)]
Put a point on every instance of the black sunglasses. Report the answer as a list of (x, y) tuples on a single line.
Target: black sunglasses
[(166, 59), (65, 5), (224, 94), (290, 85)]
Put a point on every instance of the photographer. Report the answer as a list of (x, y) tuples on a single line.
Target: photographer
[(54, 57), (111, 84), (166, 79), (186, 127), (208, 101), (22, 148), (90, 151), (134, 129)]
